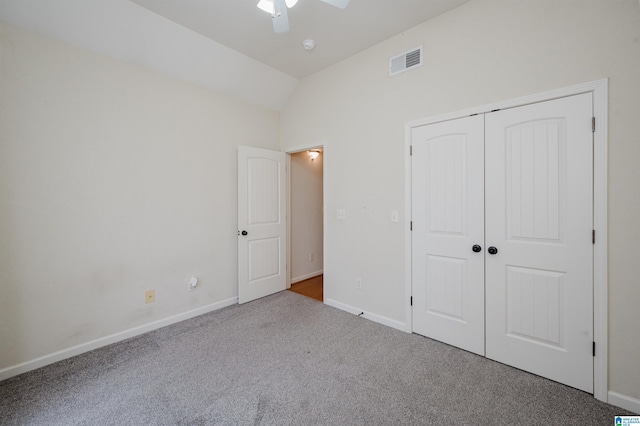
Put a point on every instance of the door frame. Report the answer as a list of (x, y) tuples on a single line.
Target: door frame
[(599, 90), (294, 150)]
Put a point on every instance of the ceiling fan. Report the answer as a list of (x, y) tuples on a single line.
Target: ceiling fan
[(278, 10)]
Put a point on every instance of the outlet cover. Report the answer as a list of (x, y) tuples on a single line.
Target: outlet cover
[(359, 283), (149, 296)]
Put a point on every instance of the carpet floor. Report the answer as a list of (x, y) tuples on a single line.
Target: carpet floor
[(289, 360)]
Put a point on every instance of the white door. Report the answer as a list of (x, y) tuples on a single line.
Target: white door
[(261, 223), (539, 284), (448, 221)]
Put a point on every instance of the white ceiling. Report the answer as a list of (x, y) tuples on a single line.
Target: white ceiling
[(225, 45), (241, 26)]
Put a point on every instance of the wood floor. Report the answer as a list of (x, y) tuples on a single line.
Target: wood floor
[(313, 288)]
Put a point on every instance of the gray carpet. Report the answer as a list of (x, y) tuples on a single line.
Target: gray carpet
[(288, 360)]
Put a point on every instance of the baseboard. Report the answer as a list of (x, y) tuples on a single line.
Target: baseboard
[(306, 276), (624, 401), (368, 315), (14, 370)]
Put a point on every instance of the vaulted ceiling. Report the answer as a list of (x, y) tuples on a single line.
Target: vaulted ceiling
[(338, 33), (225, 45)]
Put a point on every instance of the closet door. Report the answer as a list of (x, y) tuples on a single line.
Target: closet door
[(448, 221), (539, 283)]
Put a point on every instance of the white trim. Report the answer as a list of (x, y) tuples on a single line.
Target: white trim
[(600, 254), (599, 90), (624, 401), (288, 268), (300, 148), (408, 261), (42, 361), (367, 315), (325, 216), (306, 276), (590, 87)]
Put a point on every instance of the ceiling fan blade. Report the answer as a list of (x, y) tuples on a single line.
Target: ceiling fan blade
[(337, 3), (280, 17)]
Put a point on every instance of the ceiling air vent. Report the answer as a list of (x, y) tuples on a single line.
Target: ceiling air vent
[(405, 61)]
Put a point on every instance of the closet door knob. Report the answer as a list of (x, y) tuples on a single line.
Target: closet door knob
[(476, 248), (492, 250), (244, 233)]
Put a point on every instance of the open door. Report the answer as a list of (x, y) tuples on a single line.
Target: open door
[(261, 223)]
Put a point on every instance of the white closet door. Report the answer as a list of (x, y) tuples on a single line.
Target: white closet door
[(448, 220), (539, 284)]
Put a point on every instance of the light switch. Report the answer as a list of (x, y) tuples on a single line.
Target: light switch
[(394, 216), (342, 214)]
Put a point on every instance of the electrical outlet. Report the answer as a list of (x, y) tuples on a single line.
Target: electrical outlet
[(311, 257), (193, 282), (149, 296), (359, 283)]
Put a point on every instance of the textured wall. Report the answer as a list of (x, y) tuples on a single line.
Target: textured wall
[(484, 51), (113, 180)]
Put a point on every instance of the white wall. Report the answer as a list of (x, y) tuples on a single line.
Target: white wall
[(482, 52), (113, 180), (306, 216)]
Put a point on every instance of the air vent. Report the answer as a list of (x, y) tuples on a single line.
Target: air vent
[(406, 61)]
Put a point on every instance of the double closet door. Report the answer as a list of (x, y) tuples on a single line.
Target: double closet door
[(502, 254)]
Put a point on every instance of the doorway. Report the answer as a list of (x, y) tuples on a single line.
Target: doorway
[(306, 228)]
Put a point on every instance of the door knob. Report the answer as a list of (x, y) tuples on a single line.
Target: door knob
[(244, 233), (476, 248), (492, 250)]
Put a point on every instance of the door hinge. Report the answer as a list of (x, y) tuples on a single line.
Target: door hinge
[(411, 226), (593, 124), (410, 149), (593, 236), (594, 348), (411, 301)]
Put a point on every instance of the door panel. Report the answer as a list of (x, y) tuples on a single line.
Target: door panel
[(264, 258), (533, 305), (261, 213), (446, 285), (448, 219), (535, 159), (539, 285)]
